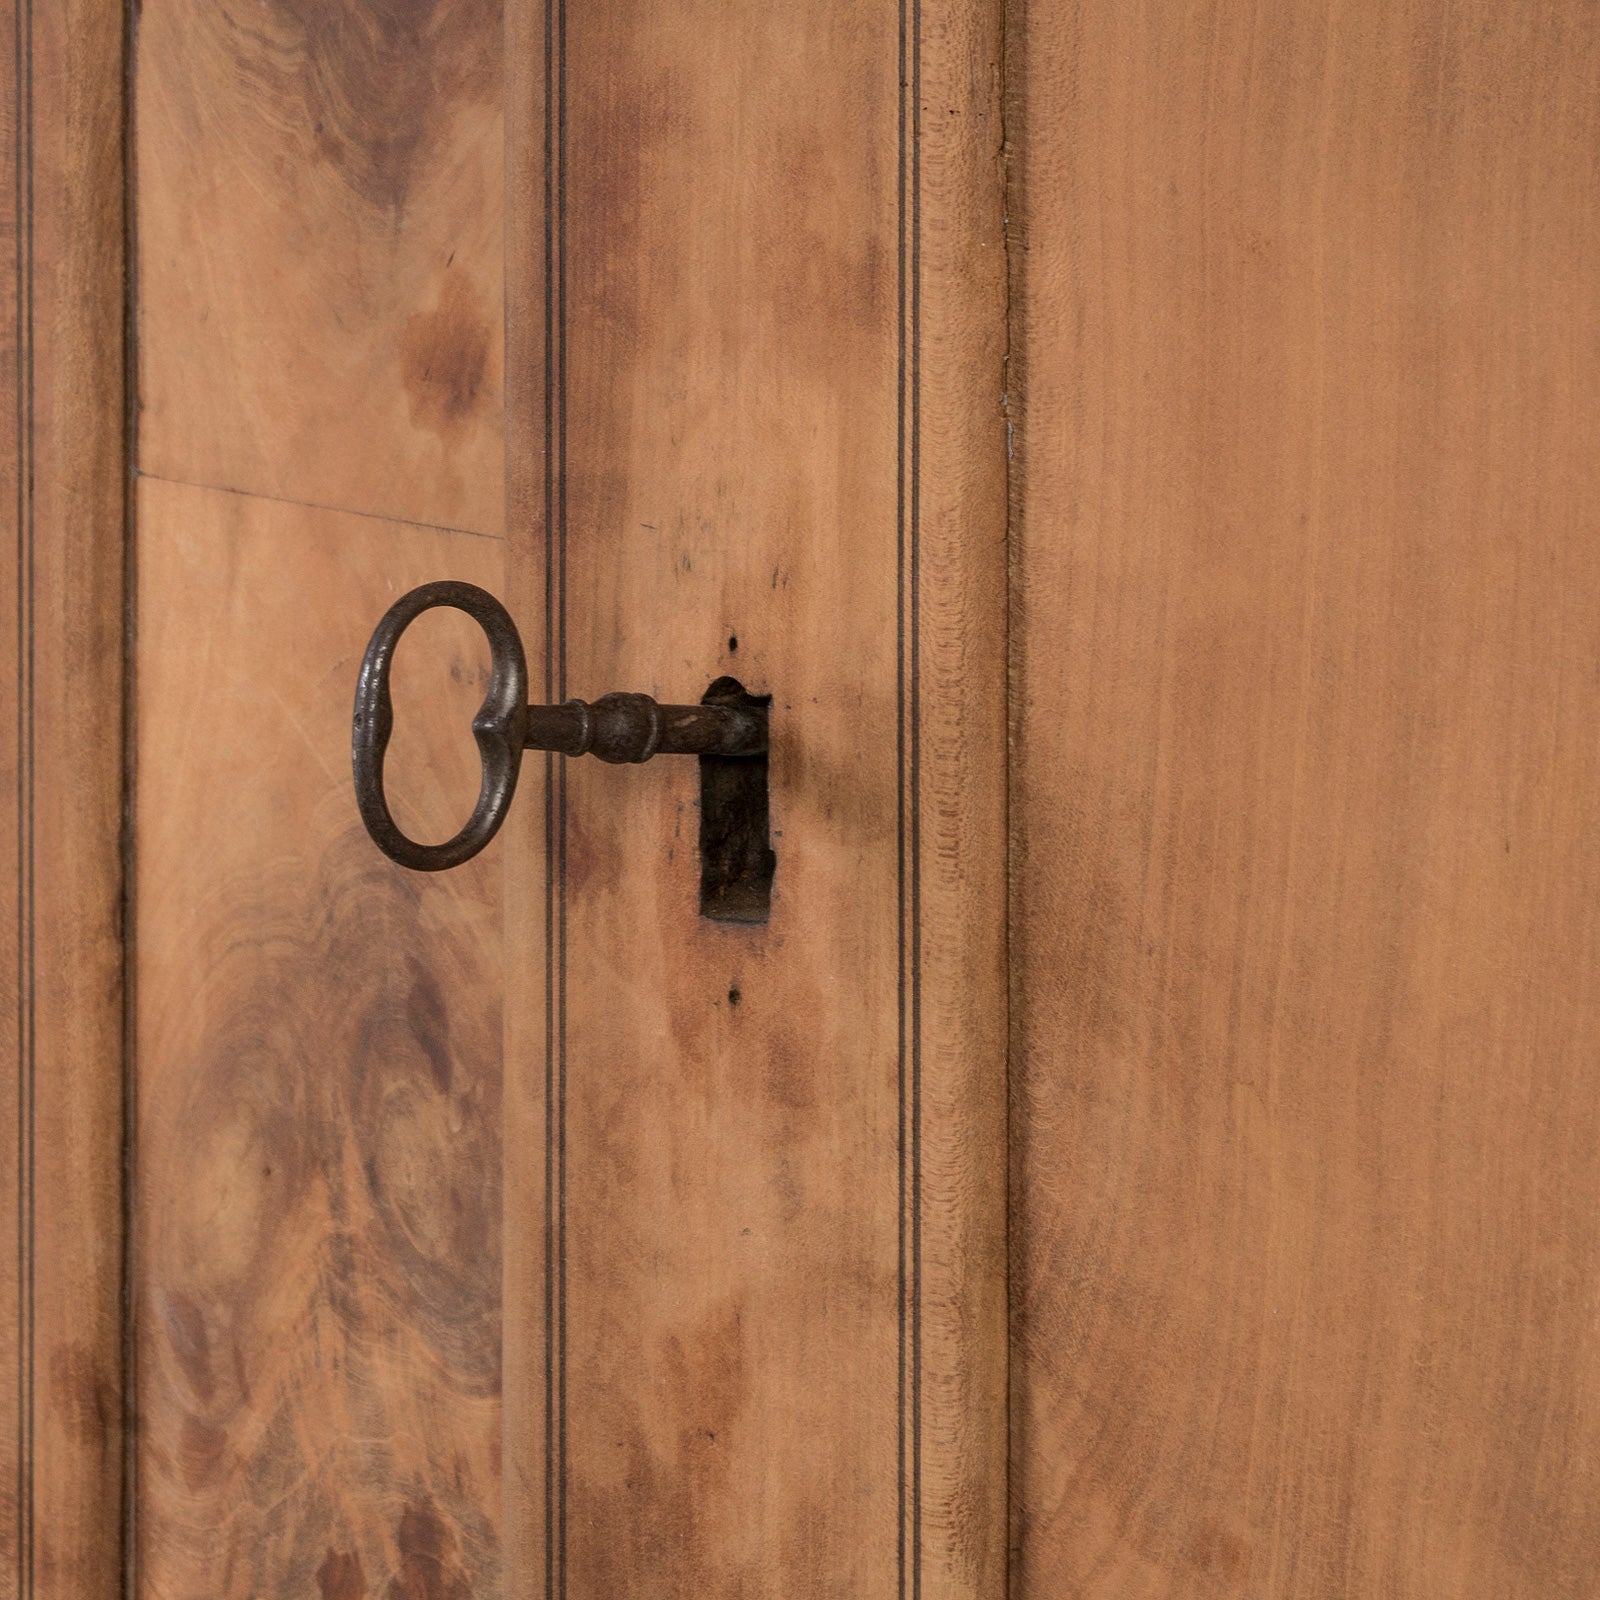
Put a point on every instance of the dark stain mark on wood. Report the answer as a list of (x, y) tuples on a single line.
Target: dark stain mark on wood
[(790, 1076), (430, 1023), (430, 1567), (444, 357), (678, 1441), (340, 1577), (1221, 1554), (81, 1394), (188, 1340), (202, 1450), (382, 80)]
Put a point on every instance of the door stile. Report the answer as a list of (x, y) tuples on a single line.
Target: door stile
[(61, 788)]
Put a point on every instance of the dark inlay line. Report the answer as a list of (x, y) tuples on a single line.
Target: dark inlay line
[(901, 801), (908, 517), (313, 505), (549, 805), (562, 692), (128, 1556), (916, 798), (128, 1346), (26, 967), (555, 674)]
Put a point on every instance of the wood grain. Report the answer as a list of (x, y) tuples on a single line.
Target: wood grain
[(774, 1347), (62, 472), (318, 1154), (1306, 800), (319, 223), (318, 1047)]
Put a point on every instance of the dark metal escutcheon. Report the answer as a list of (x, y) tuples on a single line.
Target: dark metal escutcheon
[(617, 727)]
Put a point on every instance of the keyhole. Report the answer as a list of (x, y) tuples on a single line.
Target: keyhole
[(737, 862)]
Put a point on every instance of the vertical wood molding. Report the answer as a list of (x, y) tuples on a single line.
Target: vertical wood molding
[(955, 775), (61, 779)]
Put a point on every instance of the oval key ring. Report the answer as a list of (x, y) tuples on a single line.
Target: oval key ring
[(498, 728)]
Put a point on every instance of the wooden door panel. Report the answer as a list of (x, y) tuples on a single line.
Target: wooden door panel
[(1306, 793), (318, 1094)]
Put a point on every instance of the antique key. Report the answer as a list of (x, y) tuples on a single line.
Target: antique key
[(616, 727)]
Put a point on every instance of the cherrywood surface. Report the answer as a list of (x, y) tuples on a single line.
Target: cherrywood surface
[(1306, 800), (61, 775), (1301, 376)]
